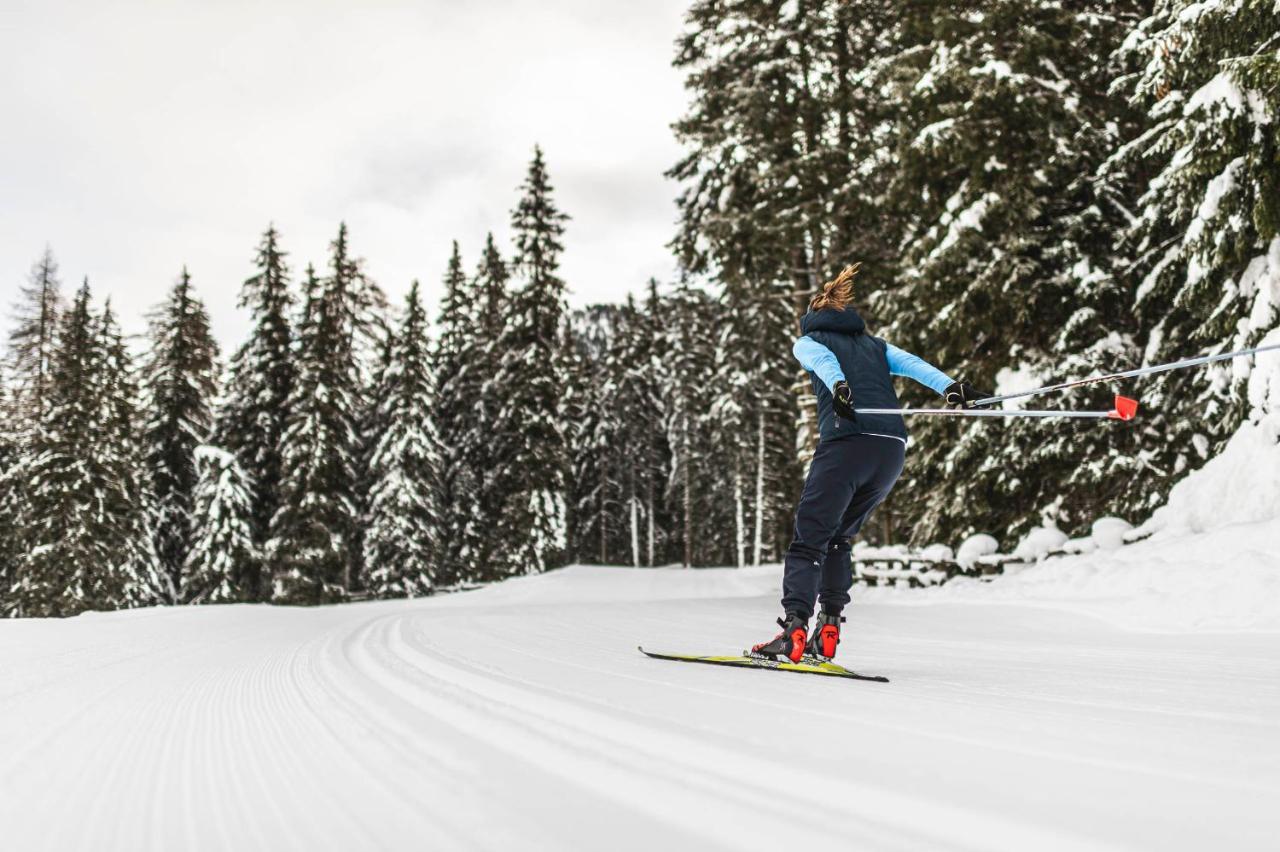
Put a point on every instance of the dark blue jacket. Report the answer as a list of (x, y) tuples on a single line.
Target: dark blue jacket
[(865, 365)]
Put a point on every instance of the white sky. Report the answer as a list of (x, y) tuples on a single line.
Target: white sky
[(139, 136)]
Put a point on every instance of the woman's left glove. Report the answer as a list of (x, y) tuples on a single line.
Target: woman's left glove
[(962, 395), (843, 400)]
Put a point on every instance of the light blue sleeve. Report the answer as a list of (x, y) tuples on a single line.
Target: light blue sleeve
[(816, 358), (903, 363)]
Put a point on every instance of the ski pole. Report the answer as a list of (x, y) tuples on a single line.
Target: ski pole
[(1125, 409), (1129, 374)]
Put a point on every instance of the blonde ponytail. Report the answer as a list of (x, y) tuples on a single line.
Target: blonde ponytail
[(836, 294)]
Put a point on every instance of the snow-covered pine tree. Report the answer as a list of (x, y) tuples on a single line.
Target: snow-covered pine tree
[(252, 418), (593, 428), (223, 563), (181, 381), (532, 464), (26, 371), (1204, 244), (56, 533), (1001, 110), (313, 531), (755, 175), (307, 553), (640, 405), (403, 531), (455, 396), (33, 340), (786, 141), (472, 517), (81, 529), (133, 575), (10, 455), (753, 415), (701, 506), (732, 408)]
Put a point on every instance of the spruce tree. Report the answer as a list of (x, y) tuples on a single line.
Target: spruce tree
[(701, 510), (593, 431), (181, 381), (455, 401), (314, 534), (55, 530), (532, 459), (1204, 242), (84, 543), (472, 514), (752, 175), (403, 538), (33, 340), (640, 404), (1001, 115), (10, 455), (753, 423), (139, 574), (223, 564), (251, 421)]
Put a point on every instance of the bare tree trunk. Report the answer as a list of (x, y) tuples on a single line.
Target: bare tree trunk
[(635, 531), (758, 538), (652, 531), (604, 526), (739, 520), (688, 495)]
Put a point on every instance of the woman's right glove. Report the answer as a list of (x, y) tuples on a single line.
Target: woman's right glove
[(962, 395), (843, 400)]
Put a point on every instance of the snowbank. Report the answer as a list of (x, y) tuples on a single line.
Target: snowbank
[(1241, 485), (1211, 562)]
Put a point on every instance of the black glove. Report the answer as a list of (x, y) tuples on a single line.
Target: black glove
[(843, 400), (962, 395)]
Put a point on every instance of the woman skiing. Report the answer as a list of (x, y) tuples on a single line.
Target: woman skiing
[(858, 460)]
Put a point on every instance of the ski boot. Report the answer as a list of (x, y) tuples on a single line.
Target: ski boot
[(826, 636), (789, 643)]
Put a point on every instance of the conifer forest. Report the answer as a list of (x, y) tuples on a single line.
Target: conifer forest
[(1036, 191)]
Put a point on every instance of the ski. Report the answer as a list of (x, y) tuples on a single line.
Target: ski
[(808, 665)]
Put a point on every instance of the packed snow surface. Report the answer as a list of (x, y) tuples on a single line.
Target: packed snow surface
[(521, 717)]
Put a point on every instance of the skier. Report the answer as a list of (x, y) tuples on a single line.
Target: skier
[(858, 460)]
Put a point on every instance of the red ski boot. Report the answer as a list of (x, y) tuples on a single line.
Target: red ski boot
[(826, 636), (789, 643)]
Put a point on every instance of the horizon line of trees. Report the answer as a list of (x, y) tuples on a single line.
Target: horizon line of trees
[(347, 448), (342, 451)]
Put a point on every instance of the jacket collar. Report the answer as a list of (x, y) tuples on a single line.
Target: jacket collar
[(829, 319)]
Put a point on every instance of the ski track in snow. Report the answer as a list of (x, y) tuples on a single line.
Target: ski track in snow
[(522, 717)]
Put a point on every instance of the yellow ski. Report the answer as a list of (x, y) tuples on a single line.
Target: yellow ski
[(751, 661)]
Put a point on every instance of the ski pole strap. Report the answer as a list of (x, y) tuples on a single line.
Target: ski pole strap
[(1129, 374)]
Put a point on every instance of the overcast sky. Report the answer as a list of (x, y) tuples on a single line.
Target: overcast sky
[(139, 136)]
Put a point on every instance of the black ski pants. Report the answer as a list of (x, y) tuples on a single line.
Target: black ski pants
[(849, 477)]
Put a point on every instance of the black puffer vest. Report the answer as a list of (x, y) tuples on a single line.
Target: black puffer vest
[(866, 369)]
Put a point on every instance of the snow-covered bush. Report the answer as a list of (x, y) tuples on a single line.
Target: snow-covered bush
[(1085, 544), (975, 546), (1040, 542), (1109, 533)]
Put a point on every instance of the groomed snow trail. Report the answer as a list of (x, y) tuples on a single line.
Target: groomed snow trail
[(522, 717)]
